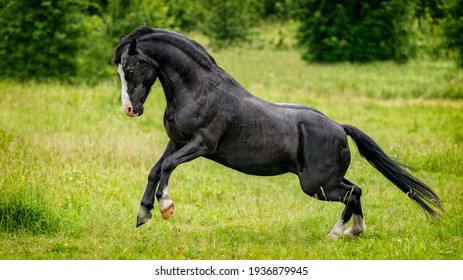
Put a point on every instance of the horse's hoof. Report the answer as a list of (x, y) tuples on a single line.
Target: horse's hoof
[(334, 236), (168, 212), (353, 232), (143, 216)]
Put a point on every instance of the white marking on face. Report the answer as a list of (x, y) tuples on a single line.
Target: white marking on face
[(124, 94)]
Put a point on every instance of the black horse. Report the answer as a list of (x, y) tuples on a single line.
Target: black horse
[(209, 114)]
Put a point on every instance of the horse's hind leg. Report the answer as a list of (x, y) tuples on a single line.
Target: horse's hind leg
[(358, 224), (323, 162), (349, 194), (345, 192)]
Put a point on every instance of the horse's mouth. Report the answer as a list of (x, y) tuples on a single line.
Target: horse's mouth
[(132, 115)]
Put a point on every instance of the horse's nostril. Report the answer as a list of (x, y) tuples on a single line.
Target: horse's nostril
[(129, 111)]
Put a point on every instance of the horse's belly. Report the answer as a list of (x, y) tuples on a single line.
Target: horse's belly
[(256, 163), (259, 170)]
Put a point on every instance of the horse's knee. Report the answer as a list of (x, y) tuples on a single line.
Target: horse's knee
[(167, 166)]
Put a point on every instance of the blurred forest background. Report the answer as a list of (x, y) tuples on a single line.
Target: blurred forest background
[(72, 40)]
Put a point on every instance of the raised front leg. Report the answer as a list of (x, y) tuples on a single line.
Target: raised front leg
[(147, 202), (161, 173), (190, 151)]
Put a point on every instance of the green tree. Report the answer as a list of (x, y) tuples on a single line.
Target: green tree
[(279, 9), (453, 28), (123, 16), (228, 22), (431, 8), (354, 30), (188, 15), (40, 38), (71, 40)]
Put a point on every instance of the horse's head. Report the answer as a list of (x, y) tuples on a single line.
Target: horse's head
[(138, 73)]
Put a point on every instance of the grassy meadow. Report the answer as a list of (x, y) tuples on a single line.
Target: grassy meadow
[(73, 169)]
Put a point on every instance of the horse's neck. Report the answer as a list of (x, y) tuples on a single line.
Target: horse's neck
[(180, 85), (185, 80), (184, 67)]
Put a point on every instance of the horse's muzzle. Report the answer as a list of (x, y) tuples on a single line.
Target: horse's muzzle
[(130, 112)]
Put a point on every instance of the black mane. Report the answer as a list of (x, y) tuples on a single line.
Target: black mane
[(188, 46)]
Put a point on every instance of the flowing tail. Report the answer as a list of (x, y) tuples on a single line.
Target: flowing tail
[(394, 171)]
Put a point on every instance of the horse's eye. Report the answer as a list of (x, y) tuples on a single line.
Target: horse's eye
[(129, 74)]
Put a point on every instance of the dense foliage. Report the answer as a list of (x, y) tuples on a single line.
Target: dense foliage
[(453, 28), (355, 30), (229, 21), (40, 38), (72, 40)]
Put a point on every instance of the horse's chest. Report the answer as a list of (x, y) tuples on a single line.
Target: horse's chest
[(175, 132), (182, 124)]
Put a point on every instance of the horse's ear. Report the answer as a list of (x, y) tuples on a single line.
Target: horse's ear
[(133, 47)]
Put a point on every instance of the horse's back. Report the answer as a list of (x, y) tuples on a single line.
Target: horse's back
[(317, 123)]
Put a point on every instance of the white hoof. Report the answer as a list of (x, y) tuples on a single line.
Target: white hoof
[(352, 232), (168, 212), (338, 230), (358, 227), (166, 206)]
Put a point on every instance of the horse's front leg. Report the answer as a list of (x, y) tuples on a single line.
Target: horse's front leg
[(147, 202), (190, 151)]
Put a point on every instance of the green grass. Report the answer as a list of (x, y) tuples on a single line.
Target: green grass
[(73, 169)]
